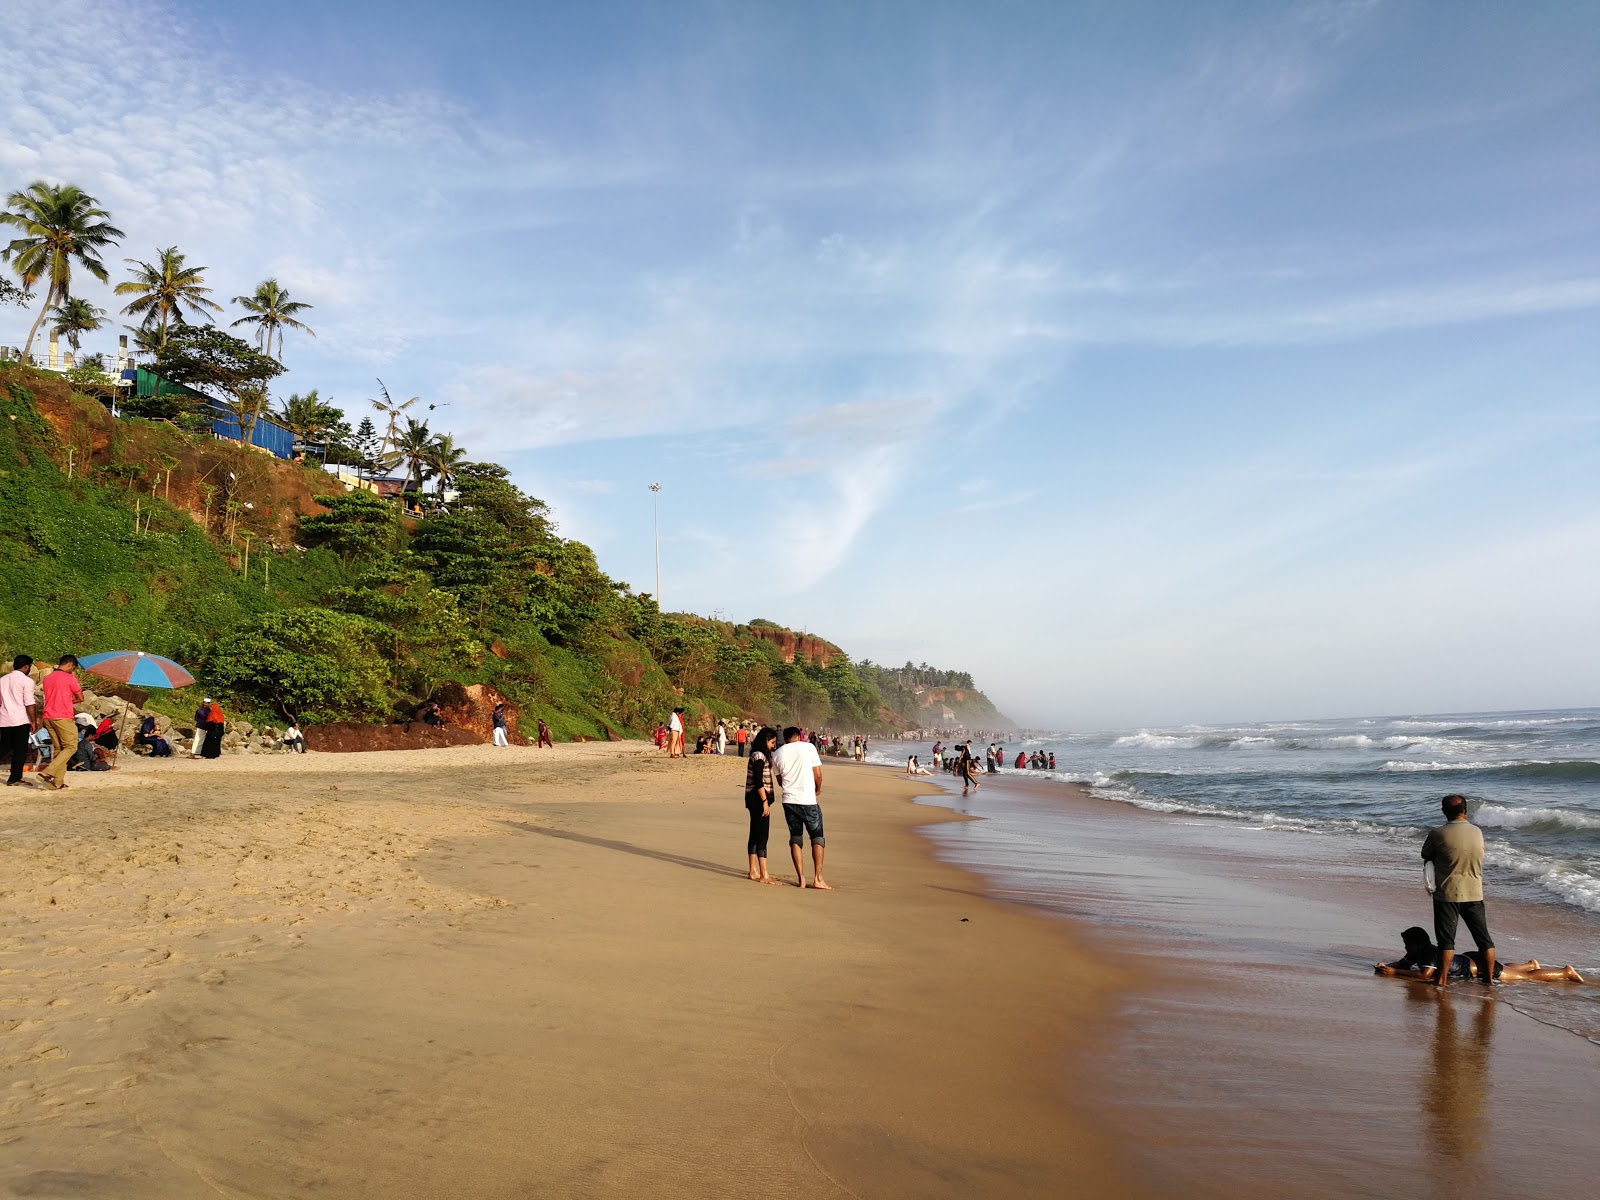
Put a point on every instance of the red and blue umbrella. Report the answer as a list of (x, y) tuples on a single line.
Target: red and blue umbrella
[(138, 668)]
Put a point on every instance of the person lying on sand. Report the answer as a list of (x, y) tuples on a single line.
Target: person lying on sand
[(1421, 961)]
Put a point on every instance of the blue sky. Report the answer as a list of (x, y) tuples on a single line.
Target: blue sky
[(1162, 362)]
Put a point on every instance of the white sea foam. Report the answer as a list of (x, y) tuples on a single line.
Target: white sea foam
[(1402, 764), (1562, 879), (1501, 817), (1158, 741)]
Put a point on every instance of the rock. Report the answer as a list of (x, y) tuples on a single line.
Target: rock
[(344, 737), (471, 707), (244, 727)]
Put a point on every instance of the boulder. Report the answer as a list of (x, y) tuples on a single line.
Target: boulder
[(471, 707), (344, 737)]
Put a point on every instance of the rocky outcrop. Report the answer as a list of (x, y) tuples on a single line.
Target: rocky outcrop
[(471, 707), (349, 737), (794, 645)]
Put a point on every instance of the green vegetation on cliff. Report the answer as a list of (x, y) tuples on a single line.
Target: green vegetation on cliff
[(287, 594)]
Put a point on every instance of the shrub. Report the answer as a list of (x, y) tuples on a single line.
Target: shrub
[(310, 663)]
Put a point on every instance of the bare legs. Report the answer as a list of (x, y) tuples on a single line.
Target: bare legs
[(817, 881)]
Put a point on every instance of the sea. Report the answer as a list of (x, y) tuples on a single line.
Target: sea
[(1532, 782)]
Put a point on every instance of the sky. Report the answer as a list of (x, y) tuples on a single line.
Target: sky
[(1154, 362)]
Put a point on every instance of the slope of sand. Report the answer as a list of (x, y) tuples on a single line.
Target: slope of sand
[(490, 973)]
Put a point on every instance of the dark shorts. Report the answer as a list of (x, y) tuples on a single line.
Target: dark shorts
[(804, 820), (1446, 913)]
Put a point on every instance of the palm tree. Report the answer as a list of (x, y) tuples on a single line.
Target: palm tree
[(413, 445), (73, 318), (163, 288), (393, 410), (444, 459), (271, 312), (59, 223), (307, 416)]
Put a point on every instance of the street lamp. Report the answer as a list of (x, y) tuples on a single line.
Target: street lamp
[(655, 515)]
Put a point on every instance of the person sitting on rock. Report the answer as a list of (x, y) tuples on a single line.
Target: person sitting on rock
[(151, 740), (293, 739)]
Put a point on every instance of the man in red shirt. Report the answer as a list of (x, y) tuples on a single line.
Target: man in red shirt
[(61, 696)]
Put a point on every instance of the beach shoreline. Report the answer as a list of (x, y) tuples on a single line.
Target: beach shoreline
[(452, 972), (1260, 1056)]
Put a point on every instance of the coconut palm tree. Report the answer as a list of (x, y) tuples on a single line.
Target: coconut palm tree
[(393, 411), (73, 318), (163, 288), (60, 224), (308, 417), (413, 445), (271, 312), (444, 459)]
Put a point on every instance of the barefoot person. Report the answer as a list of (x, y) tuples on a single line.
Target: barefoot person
[(758, 789), (1421, 961), (1456, 851), (798, 769)]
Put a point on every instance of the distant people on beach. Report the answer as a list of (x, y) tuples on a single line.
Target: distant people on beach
[(497, 720), (758, 795), (722, 737), (798, 771), (1456, 851), (148, 738), (431, 715), (915, 767), (741, 739), (1022, 760), (675, 734), (293, 740), (19, 716), (216, 725), (1422, 960), (200, 715), (967, 768), (544, 742), (62, 694)]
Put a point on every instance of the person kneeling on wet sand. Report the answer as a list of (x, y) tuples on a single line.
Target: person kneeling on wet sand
[(798, 770), (1421, 961)]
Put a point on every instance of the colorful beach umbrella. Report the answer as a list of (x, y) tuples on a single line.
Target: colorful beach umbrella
[(137, 668)]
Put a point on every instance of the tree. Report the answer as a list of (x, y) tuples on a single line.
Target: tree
[(358, 527), (222, 366), (308, 417), (444, 458), (271, 312), (60, 224), (163, 288), (393, 410), (10, 293), (427, 639), (310, 664), (73, 318), (413, 445)]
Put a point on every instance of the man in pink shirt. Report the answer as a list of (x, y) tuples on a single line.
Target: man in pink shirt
[(18, 716), (61, 696)]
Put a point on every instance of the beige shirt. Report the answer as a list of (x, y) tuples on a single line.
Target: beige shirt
[(1456, 851)]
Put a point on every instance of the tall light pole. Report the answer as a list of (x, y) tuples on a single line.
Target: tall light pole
[(655, 516)]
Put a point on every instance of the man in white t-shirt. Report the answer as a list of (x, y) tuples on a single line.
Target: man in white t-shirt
[(675, 734), (798, 769)]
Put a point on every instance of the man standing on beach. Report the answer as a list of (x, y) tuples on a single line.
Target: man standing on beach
[(1456, 851), (61, 696), (18, 716), (798, 769)]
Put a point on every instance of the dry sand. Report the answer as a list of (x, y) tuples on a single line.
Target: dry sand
[(507, 973)]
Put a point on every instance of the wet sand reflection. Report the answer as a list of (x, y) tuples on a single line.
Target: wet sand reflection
[(1456, 1082)]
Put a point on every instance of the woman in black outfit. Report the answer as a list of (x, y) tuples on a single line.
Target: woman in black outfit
[(758, 800)]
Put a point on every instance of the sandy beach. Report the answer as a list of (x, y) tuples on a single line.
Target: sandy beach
[(504, 973)]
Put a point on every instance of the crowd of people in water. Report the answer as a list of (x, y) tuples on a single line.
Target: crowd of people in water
[(962, 761)]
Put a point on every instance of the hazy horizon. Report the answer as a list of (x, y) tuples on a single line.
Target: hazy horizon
[(1155, 364)]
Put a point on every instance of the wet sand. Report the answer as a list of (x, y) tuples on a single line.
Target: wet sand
[(1266, 1059), (495, 973)]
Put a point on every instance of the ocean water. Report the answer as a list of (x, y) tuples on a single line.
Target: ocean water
[(1532, 780)]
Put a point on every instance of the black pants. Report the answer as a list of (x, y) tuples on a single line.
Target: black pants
[(760, 826), (1470, 913), (14, 749)]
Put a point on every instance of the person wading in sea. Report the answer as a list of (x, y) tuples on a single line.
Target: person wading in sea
[(1456, 851)]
